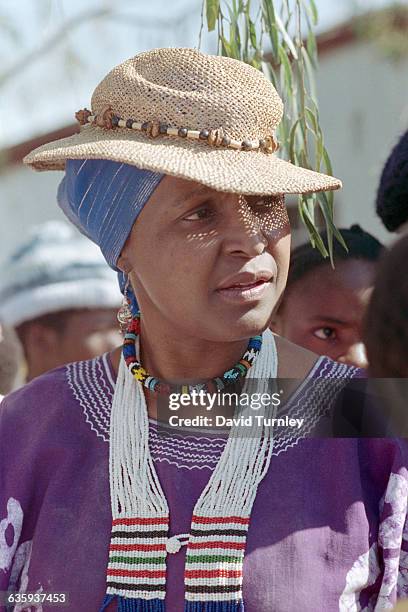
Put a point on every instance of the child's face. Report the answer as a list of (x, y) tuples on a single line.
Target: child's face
[(323, 311)]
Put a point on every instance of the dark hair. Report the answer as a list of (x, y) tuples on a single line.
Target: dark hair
[(392, 194), (386, 320), (360, 244)]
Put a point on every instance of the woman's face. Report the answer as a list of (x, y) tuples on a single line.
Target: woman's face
[(323, 311), (211, 265)]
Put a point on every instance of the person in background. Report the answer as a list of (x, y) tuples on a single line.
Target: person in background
[(10, 360), (43, 297), (385, 333), (323, 308), (392, 194), (386, 320)]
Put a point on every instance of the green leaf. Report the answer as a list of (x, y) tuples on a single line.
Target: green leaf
[(286, 36), (314, 234), (232, 12), (287, 68), (255, 62), (313, 120), (292, 71), (312, 47), (252, 32), (304, 162), (292, 136), (268, 71), (328, 217), (212, 10), (283, 136), (326, 158), (311, 9), (226, 47), (314, 11), (235, 42), (319, 151), (270, 20), (309, 202), (330, 199), (309, 72)]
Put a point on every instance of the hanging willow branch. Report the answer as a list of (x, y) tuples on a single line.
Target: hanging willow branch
[(245, 29)]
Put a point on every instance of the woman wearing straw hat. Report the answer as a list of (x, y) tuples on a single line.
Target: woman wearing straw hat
[(174, 175)]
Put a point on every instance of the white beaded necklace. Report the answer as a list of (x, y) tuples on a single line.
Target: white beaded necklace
[(136, 572)]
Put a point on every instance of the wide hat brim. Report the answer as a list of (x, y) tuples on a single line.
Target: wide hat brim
[(227, 170)]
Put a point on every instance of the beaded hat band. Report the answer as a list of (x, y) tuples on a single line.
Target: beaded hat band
[(214, 137)]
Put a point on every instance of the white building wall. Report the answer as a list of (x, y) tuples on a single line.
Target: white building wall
[(363, 100), (27, 198)]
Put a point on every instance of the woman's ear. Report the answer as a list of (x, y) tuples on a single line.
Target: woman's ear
[(123, 263)]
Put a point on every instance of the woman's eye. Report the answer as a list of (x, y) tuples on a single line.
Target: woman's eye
[(198, 215), (325, 333), (266, 204), (263, 205)]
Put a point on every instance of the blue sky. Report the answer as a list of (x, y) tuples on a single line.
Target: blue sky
[(44, 94)]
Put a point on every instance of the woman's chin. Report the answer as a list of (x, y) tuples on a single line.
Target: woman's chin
[(247, 317), (253, 326), (250, 324)]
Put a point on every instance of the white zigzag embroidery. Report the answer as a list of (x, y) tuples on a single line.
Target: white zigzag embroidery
[(92, 386)]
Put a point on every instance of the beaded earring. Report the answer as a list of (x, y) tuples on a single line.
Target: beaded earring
[(124, 315)]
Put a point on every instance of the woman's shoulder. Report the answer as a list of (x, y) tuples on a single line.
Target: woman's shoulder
[(41, 393), (54, 397)]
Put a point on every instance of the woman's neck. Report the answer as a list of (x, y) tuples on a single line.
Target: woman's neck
[(188, 359), (173, 357)]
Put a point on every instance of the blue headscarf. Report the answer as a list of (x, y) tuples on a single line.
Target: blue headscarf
[(103, 199)]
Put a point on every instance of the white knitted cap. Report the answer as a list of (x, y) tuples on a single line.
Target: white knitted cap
[(55, 269)]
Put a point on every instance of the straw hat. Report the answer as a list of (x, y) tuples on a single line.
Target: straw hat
[(181, 112)]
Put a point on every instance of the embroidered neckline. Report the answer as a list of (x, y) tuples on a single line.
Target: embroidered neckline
[(92, 384)]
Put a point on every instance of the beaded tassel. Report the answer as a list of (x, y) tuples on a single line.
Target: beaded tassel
[(214, 606), (136, 572), (215, 554), (134, 605), (137, 557)]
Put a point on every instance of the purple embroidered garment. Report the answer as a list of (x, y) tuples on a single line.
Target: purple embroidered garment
[(328, 527)]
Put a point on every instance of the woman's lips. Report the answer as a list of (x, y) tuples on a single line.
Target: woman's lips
[(245, 292)]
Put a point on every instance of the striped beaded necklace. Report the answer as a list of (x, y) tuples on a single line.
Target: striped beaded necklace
[(139, 544), (239, 370)]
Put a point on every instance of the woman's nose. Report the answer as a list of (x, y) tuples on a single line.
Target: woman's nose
[(243, 232)]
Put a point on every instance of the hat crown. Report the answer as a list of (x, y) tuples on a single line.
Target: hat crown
[(187, 88), (183, 113)]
